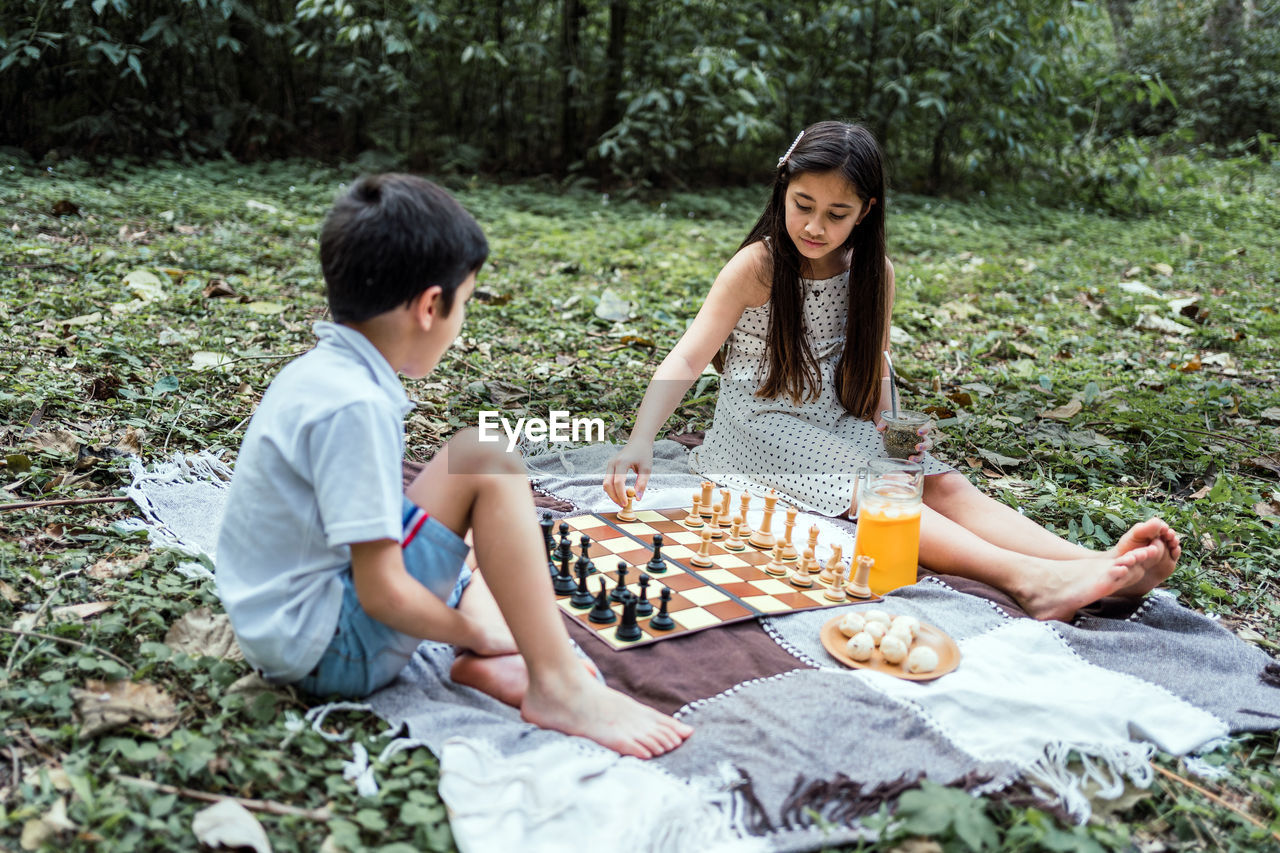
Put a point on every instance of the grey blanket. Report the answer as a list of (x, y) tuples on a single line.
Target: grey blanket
[(808, 750)]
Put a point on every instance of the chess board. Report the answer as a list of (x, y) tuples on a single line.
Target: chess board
[(735, 588)]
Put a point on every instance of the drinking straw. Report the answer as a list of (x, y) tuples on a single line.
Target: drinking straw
[(893, 384)]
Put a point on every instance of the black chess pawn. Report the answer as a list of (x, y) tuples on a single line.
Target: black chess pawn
[(621, 588), (585, 544), (546, 524), (582, 597), (563, 582), (629, 629), (656, 564), (662, 620), (602, 613), (564, 546), (644, 606)]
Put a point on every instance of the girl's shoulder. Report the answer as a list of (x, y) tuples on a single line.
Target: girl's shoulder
[(747, 274)]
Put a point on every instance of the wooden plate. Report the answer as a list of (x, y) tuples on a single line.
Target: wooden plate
[(935, 638)]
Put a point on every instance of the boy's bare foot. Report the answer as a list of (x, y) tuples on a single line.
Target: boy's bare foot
[(504, 677), (579, 705), (1056, 589), (1144, 533)]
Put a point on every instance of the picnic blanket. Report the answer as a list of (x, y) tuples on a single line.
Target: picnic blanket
[(790, 748)]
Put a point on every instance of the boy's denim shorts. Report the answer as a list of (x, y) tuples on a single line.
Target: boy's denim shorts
[(366, 654)]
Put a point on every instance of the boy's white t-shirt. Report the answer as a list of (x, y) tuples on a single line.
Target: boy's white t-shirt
[(318, 470)]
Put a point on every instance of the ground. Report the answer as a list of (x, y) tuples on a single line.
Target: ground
[(1089, 367)]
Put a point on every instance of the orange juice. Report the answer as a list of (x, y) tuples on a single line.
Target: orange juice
[(889, 533)]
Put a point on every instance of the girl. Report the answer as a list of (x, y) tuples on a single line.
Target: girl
[(796, 323)]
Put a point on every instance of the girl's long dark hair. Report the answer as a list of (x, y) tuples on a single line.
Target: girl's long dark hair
[(852, 152)]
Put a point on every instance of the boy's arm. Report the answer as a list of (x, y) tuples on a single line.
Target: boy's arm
[(389, 594)]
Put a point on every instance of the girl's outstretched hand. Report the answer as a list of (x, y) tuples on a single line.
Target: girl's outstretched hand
[(632, 457)]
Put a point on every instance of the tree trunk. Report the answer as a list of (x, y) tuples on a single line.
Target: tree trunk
[(615, 64), (1121, 14), (570, 123), (1223, 26)]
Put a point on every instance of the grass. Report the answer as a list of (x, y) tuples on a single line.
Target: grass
[(1061, 386)]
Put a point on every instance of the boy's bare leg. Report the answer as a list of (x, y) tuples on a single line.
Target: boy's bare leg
[(504, 677), (953, 496), (471, 484), (1046, 588)]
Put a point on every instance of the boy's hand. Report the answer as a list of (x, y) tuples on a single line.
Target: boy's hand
[(633, 457)]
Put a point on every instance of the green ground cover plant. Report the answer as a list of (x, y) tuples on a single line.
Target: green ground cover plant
[(1089, 368)]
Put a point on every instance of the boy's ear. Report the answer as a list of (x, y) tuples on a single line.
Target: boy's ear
[(426, 308)]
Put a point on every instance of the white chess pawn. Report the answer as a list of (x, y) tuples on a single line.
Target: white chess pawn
[(628, 513), (702, 559), (694, 518), (734, 542)]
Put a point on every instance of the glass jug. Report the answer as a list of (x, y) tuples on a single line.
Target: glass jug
[(888, 493)]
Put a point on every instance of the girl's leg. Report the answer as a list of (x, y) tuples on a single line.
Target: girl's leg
[(953, 496), (1046, 588)]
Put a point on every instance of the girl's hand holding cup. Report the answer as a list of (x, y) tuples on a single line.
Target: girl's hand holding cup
[(907, 435)]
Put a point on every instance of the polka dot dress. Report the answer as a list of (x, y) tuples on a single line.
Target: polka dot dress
[(808, 452)]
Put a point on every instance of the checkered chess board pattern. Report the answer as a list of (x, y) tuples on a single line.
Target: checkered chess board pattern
[(735, 588)]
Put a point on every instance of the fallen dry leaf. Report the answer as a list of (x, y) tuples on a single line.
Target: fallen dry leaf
[(58, 440), (131, 442), (219, 289), (38, 831), (203, 632), (79, 611), (1152, 323), (229, 824), (144, 706), (108, 569), (1065, 412)]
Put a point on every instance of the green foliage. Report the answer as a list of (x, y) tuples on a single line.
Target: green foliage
[(1219, 61), (640, 94)]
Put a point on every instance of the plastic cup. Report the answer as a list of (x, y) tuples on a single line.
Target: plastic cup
[(904, 431)]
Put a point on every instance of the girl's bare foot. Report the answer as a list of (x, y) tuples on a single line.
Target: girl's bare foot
[(1056, 589), (577, 704), (504, 677), (1145, 533)]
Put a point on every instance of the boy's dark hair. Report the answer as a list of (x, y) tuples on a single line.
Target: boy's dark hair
[(389, 238)]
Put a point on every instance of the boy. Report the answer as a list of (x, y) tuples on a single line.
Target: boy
[(330, 575)]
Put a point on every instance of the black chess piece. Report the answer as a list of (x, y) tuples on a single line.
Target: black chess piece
[(585, 544), (582, 597), (656, 564), (563, 582), (644, 606), (546, 524), (662, 620), (564, 546), (602, 613), (621, 588), (629, 629)]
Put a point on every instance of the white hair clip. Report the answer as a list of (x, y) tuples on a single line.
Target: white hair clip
[(782, 161)]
